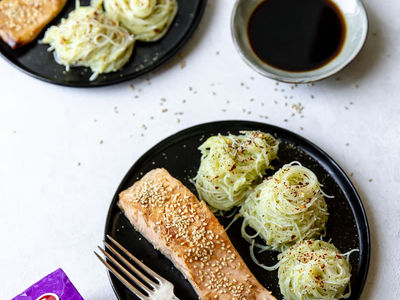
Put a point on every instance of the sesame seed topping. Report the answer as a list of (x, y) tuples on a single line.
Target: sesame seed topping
[(185, 224)]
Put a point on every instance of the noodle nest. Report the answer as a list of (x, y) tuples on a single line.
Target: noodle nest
[(231, 165), (286, 208), (91, 39), (147, 20), (314, 269)]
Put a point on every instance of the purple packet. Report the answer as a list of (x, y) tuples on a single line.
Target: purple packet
[(55, 286)]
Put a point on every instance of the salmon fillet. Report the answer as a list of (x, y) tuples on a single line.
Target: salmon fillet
[(22, 20), (168, 215)]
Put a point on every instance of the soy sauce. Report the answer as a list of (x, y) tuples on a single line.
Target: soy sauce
[(296, 35)]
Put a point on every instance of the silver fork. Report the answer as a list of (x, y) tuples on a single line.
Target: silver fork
[(160, 287)]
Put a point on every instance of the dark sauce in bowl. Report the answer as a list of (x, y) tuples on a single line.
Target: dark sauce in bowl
[(296, 35)]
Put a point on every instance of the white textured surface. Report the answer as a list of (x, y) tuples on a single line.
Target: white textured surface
[(53, 211)]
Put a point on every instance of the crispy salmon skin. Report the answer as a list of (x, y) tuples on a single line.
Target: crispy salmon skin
[(22, 20), (168, 215)]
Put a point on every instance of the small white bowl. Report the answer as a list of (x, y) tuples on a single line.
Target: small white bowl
[(356, 20)]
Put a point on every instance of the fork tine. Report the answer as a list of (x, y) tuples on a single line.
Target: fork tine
[(122, 279), (126, 272), (142, 265), (130, 266)]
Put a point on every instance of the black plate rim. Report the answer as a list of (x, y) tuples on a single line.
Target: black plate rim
[(195, 24), (356, 206)]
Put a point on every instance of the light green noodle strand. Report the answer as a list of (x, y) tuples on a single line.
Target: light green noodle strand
[(314, 270), (147, 20), (89, 38), (285, 208), (231, 165)]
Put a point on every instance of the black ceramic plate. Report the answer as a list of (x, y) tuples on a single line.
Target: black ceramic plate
[(34, 59), (347, 225)]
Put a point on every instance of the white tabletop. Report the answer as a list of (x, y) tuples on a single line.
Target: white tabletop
[(65, 150)]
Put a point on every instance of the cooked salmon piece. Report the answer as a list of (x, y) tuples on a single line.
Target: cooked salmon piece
[(168, 215), (22, 20)]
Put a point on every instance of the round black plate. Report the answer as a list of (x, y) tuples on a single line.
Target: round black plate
[(347, 225), (35, 60)]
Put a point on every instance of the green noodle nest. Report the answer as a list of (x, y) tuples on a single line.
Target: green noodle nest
[(286, 208), (90, 38), (147, 20), (314, 270), (231, 165)]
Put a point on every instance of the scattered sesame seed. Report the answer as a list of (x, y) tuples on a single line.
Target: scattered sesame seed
[(182, 64), (297, 107)]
